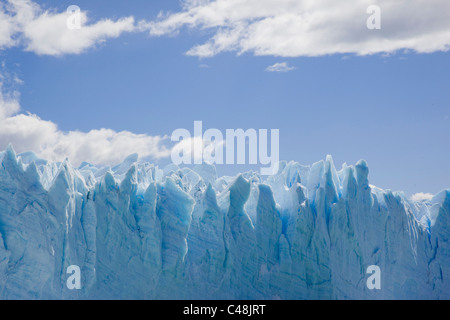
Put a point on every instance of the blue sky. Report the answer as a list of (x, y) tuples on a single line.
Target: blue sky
[(391, 109)]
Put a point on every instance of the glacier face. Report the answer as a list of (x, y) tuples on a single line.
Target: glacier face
[(140, 232)]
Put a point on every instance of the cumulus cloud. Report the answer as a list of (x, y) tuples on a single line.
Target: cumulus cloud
[(280, 67), (105, 146), (421, 196), (293, 28), (23, 22)]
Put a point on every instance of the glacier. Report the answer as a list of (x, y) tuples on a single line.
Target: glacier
[(140, 232)]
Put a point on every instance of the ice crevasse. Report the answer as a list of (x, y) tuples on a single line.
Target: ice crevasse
[(140, 232)]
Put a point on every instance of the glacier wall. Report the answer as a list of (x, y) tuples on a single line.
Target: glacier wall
[(140, 232)]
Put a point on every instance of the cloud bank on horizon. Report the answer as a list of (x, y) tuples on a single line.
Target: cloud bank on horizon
[(28, 132), (285, 28)]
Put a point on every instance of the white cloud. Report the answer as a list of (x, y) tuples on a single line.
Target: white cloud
[(8, 104), (105, 146), (292, 28), (421, 196), (280, 67), (47, 33), (7, 28), (287, 28), (23, 23)]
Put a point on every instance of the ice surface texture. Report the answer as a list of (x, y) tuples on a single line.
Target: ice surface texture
[(139, 232)]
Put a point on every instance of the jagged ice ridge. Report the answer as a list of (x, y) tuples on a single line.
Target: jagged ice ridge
[(140, 232)]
